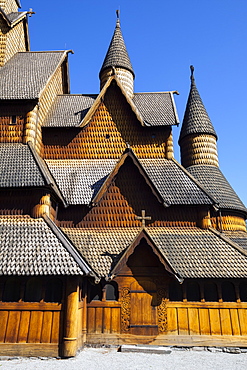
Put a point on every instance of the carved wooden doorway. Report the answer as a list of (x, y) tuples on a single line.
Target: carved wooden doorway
[(143, 308)]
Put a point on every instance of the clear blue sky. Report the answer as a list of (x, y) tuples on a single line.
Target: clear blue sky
[(163, 38)]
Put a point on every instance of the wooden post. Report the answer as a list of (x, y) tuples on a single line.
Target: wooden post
[(71, 318), (84, 318)]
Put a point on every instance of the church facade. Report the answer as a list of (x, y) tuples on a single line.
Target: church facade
[(104, 237)]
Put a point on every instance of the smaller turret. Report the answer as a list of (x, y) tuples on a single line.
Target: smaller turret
[(197, 138), (117, 62)]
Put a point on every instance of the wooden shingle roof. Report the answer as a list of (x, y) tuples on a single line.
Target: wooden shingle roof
[(22, 167), (217, 185), (117, 55), (196, 119), (26, 74), (191, 252), (154, 109), (82, 181), (30, 247)]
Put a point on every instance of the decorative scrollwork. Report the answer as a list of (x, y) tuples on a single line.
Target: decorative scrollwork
[(162, 310), (125, 310)]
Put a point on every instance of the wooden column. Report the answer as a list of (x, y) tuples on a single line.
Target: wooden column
[(204, 220), (71, 318), (84, 318)]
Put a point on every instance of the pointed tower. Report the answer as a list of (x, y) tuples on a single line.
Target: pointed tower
[(117, 62), (200, 157), (197, 137)]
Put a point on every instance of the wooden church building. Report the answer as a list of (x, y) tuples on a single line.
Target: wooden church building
[(104, 237)]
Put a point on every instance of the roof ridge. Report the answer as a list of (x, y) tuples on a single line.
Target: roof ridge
[(157, 92)]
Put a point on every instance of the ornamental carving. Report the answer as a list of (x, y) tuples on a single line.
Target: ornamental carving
[(125, 310), (162, 310)]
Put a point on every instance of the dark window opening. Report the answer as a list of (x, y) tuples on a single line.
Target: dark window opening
[(210, 292), (13, 120), (228, 292), (175, 292), (33, 291), (11, 291), (95, 293), (243, 292), (111, 291), (54, 290), (193, 292)]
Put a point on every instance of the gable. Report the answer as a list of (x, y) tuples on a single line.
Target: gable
[(111, 129)]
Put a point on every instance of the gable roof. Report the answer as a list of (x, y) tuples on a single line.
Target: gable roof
[(86, 181), (30, 247), (117, 55), (190, 252), (21, 166), (216, 184), (169, 182), (151, 109), (26, 74), (124, 258), (12, 18), (196, 119)]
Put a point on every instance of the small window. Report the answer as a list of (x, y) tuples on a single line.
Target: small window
[(228, 292), (193, 292), (54, 290), (243, 292), (175, 292), (210, 292), (11, 291), (33, 292), (111, 291), (13, 120)]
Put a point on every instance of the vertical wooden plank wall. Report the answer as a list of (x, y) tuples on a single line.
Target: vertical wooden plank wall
[(211, 318), (30, 323), (103, 317)]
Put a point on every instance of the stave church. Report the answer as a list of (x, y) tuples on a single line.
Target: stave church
[(105, 239)]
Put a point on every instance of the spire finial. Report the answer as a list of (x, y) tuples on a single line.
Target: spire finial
[(118, 17), (192, 73)]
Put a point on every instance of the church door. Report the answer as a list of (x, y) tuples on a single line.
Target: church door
[(143, 308)]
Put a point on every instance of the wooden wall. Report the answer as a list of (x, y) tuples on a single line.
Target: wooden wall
[(210, 318), (104, 317), (112, 126), (34, 326)]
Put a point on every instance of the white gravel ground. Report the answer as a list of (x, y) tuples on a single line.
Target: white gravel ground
[(106, 359)]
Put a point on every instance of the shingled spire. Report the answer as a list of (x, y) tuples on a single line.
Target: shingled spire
[(197, 138), (117, 61)]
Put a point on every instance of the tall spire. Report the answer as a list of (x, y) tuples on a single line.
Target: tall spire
[(197, 137), (117, 60), (196, 119)]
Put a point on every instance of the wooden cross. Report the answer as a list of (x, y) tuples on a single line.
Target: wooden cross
[(30, 13), (143, 218)]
